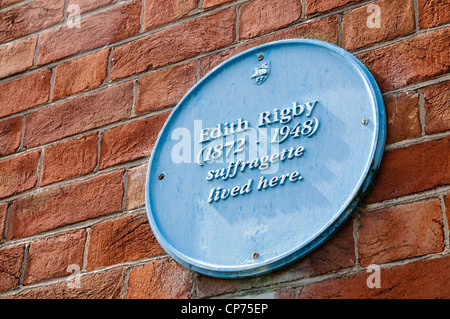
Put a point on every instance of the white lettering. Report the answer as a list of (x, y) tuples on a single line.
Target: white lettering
[(275, 181), (287, 114), (310, 108)]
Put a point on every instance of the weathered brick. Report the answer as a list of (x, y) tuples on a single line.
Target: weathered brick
[(130, 141), (428, 279), (120, 240), (396, 19), (30, 17), (336, 254), (412, 169), (316, 6), (166, 87), (50, 257), (213, 3), (325, 29), (96, 30), (179, 42), (437, 107), (64, 205), (3, 212), (409, 61), (17, 56), (11, 259), (403, 118), (69, 159), (136, 187), (34, 90), (160, 279), (262, 16), (87, 5), (158, 12), (104, 285), (433, 12), (285, 293), (85, 73), (5, 3), (400, 232), (10, 135), (18, 173), (79, 114)]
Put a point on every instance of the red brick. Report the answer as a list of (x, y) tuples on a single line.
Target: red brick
[(437, 107), (30, 17), (158, 12), (18, 173), (410, 61), (10, 135), (262, 16), (87, 5), (34, 90), (209, 62), (96, 30), (403, 118), (120, 240), (213, 3), (81, 74), (136, 187), (50, 257), (325, 29), (433, 12), (11, 259), (5, 3), (179, 42), (316, 6), (69, 159), (168, 86), (428, 279), (79, 114), (17, 56), (59, 206), (412, 169), (104, 285), (400, 232), (336, 254), (3, 212), (396, 19), (160, 279), (130, 141), (285, 293)]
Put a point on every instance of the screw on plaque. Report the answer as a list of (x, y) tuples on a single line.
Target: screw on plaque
[(365, 121), (260, 57), (255, 255), (161, 177)]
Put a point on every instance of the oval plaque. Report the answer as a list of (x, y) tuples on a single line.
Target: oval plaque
[(265, 158)]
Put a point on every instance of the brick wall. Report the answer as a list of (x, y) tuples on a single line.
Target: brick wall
[(81, 107)]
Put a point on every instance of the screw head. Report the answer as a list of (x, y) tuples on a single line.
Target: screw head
[(365, 121), (161, 177), (260, 57), (255, 255)]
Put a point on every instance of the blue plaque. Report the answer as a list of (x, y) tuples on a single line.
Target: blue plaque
[(265, 158)]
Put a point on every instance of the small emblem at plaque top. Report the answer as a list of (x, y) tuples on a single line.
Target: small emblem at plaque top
[(261, 73)]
